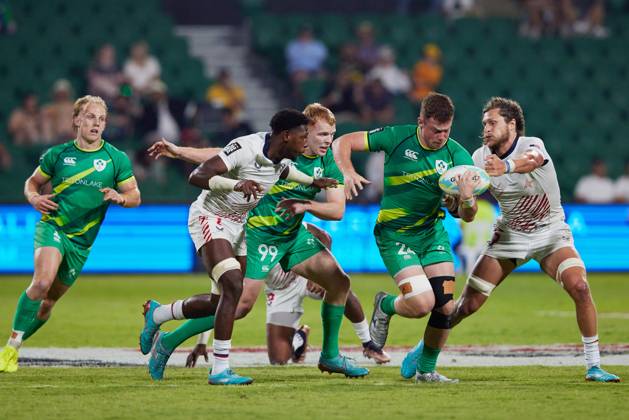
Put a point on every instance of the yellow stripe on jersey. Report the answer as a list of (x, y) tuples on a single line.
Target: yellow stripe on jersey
[(41, 171), (70, 181), (131, 178), (366, 140), (85, 228), (260, 221), (386, 215), (406, 179), (58, 220), (420, 222), (276, 189)]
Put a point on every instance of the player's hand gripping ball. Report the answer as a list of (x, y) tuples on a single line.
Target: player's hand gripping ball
[(448, 184)]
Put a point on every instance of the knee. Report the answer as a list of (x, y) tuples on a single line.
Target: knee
[(580, 290), (244, 307), (39, 288), (419, 306), (447, 309), (231, 284)]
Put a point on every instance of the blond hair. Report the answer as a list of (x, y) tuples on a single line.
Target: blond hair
[(316, 111), (81, 103)]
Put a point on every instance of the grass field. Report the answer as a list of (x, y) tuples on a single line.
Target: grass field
[(103, 311)]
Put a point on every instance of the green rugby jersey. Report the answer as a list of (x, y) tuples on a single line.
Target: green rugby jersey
[(76, 176), (264, 217), (412, 198)]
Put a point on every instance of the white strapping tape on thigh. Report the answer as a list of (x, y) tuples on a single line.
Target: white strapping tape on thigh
[(216, 288), (480, 285), (566, 264), (414, 285), (224, 266)]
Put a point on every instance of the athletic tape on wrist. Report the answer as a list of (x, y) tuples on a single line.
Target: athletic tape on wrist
[(222, 184), (296, 175)]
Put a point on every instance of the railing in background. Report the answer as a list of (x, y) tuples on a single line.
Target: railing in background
[(154, 238)]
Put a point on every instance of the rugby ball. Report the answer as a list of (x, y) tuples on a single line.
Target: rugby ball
[(447, 181)]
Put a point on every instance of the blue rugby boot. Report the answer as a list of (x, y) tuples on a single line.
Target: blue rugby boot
[(159, 357), (150, 327), (408, 368), (228, 377), (343, 365), (596, 374)]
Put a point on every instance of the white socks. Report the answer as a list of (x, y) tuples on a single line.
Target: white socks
[(591, 351), (165, 313), (15, 340), (221, 355), (362, 331)]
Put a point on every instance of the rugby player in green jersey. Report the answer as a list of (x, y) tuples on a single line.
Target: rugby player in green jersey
[(86, 175), (275, 234), (409, 233)]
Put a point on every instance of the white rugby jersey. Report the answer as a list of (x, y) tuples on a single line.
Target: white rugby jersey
[(278, 279), (528, 202), (245, 159)]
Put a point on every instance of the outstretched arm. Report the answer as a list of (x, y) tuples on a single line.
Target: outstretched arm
[(190, 154), (331, 209), (343, 148), (527, 162), (208, 177)]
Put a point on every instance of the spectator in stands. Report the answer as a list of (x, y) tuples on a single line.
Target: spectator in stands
[(394, 79), (367, 50), (104, 77), (596, 187), (57, 116), (231, 128), (374, 172), (591, 18), (6, 161), (341, 95), (141, 68), (162, 116), (120, 120), (376, 103), (427, 73), (455, 9), (7, 23), (224, 93), (305, 56), (621, 186), (25, 122)]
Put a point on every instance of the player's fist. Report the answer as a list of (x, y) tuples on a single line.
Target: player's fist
[(198, 350), (43, 203), (249, 188), (112, 195), (163, 148), (466, 183), (494, 166), (353, 184), (324, 183)]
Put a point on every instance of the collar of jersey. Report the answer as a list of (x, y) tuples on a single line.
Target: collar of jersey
[(102, 143), (427, 148), (309, 156), (511, 149), (265, 148)]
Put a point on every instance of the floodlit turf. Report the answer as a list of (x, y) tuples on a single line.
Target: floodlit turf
[(105, 311), (303, 392)]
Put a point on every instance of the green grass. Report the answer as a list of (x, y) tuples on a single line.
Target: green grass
[(302, 392), (105, 311)]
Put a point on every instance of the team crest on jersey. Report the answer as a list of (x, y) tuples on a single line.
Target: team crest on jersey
[(100, 165), (411, 154), (318, 172), (440, 166), (231, 148), (69, 161)]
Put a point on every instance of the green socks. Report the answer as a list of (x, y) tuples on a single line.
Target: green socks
[(25, 312), (428, 359), (331, 316), (190, 328), (33, 327), (388, 305)]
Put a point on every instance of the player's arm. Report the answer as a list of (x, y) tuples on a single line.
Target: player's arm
[(295, 175), (128, 194), (208, 177), (467, 202), (190, 154), (343, 148), (527, 162), (331, 209), (43, 203)]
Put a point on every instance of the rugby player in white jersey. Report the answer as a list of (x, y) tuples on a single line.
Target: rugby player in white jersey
[(285, 292), (234, 180), (524, 183)]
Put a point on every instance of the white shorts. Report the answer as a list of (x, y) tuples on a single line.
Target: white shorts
[(284, 306), (205, 226), (521, 247)]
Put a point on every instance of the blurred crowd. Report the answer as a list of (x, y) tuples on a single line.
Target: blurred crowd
[(564, 18), (598, 188)]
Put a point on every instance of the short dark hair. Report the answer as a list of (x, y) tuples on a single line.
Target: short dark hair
[(438, 106), (509, 110), (287, 119)]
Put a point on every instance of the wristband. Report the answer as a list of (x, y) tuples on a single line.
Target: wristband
[(298, 176), (510, 166), (469, 203), (203, 338), (222, 184)]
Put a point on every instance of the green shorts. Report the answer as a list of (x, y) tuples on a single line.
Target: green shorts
[(265, 250), (73, 256), (401, 250)]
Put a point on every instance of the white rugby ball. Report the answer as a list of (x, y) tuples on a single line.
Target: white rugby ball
[(447, 181)]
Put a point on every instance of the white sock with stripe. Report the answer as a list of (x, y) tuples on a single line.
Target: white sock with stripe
[(591, 351), (221, 355), (165, 313)]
